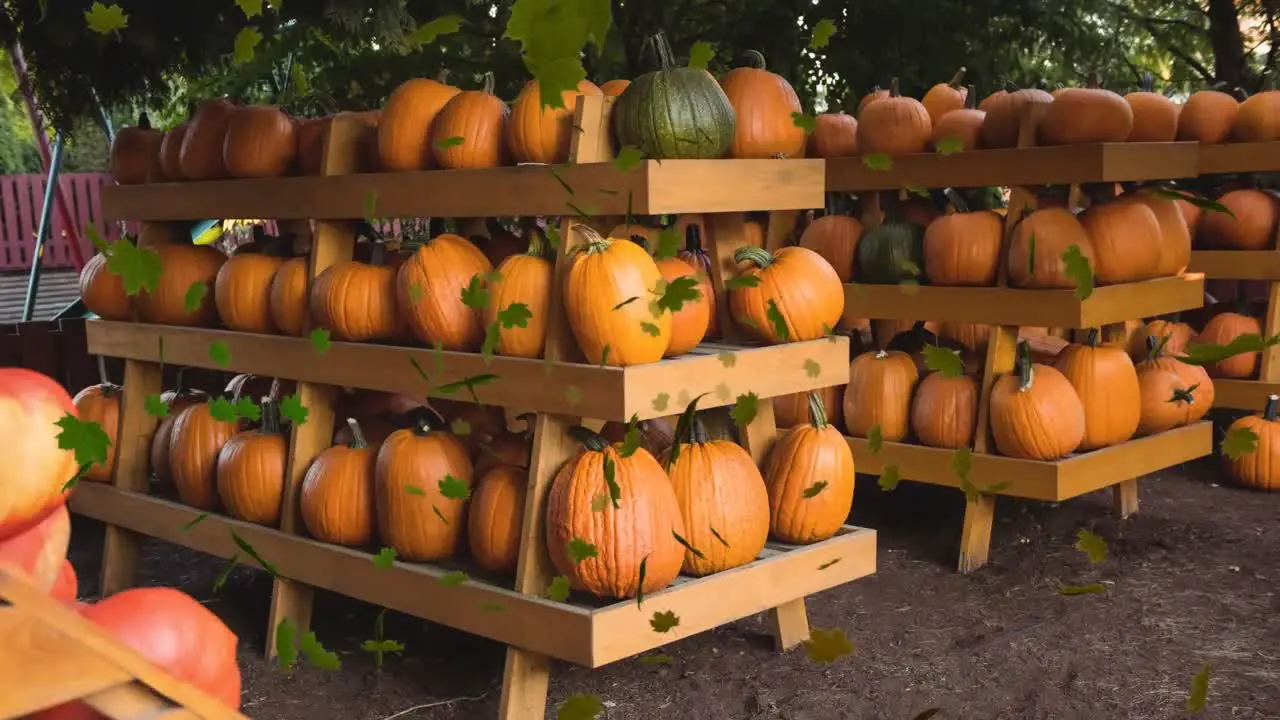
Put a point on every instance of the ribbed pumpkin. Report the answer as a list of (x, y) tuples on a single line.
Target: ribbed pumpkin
[(722, 500), (809, 475), (538, 134), (171, 152), (356, 301), (404, 132), (1004, 116), (688, 324), (960, 129), (1259, 469), (1055, 230), (675, 112), (698, 258), (428, 290), (242, 291), (803, 288), (994, 98), (101, 404), (641, 528), (614, 88), (195, 441), (604, 277), (525, 280), (1079, 116), (835, 135), (891, 253), (879, 394), (946, 97), (793, 408), (311, 136), (135, 153), (1126, 241), (876, 95), (287, 299), (896, 125), (427, 525), (1107, 384), (261, 141), (1035, 412), (763, 103), (178, 399), (250, 471), (496, 517), (834, 237), (183, 266), (337, 495), (1207, 117), (1168, 401), (201, 153), (1155, 117), (1193, 378), (1221, 330), (1258, 119), (1175, 238), (963, 248), (1250, 226), (1179, 335), (470, 131), (103, 291), (944, 411), (972, 336)]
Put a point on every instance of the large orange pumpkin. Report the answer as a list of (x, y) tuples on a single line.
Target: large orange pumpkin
[(1106, 382), (1168, 401), (688, 324), (101, 404), (835, 237), (963, 248), (1259, 469), (1155, 117), (1035, 412), (1126, 241), (522, 280), (337, 496), (1175, 238), (1055, 230), (171, 152), (250, 471), (1194, 379), (242, 291), (135, 153), (287, 299), (195, 442), (944, 412), (608, 298), (798, 295), (1221, 330), (1258, 119), (879, 394), (960, 129), (538, 134), (183, 266), (1207, 117), (422, 479), (103, 291), (835, 135), (404, 132), (496, 518), (809, 475), (1250, 226), (178, 399), (428, 291), (356, 301), (470, 131), (35, 470), (261, 141), (896, 125), (946, 97), (1078, 116), (201, 153), (1004, 116), (763, 103), (40, 550)]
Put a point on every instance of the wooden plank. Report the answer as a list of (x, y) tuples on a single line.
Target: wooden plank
[(1109, 162), (1243, 394), (41, 666), (1239, 158), (1236, 264)]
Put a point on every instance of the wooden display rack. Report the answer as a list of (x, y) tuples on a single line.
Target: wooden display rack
[(50, 655), (1008, 309), (583, 631)]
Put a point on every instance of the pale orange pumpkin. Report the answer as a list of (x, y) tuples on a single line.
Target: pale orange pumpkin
[(1155, 117), (1221, 330), (522, 280), (835, 135), (1106, 382), (183, 266), (337, 495), (1207, 117), (496, 517), (946, 97), (250, 470), (470, 131), (688, 324), (1035, 412), (242, 291), (1055, 230), (896, 125), (763, 103), (103, 291), (1258, 119), (201, 153), (287, 298), (879, 394), (428, 291), (809, 475), (797, 284), (1126, 241), (1257, 470), (944, 411), (404, 132), (1250, 226), (261, 142), (135, 153), (195, 442), (537, 134), (426, 526), (607, 297), (834, 237)]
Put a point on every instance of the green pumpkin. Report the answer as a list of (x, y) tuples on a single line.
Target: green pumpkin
[(891, 253), (674, 112)]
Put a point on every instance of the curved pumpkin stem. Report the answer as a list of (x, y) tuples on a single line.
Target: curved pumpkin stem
[(817, 413), (756, 59), (958, 78), (971, 98), (425, 419), (488, 85), (1155, 345), (759, 257), (698, 432), (538, 245), (442, 76), (144, 121), (894, 91), (102, 374), (1148, 83), (179, 381), (952, 195), (270, 417), (1094, 81), (595, 241), (357, 436), (662, 49), (1184, 395), (1026, 375), (1011, 86), (693, 238), (1091, 337), (592, 440), (1273, 406)]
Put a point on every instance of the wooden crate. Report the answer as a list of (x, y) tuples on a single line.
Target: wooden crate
[(1231, 158), (50, 655)]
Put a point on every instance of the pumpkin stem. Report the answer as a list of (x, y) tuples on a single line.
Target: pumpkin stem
[(817, 413), (487, 87), (894, 91), (1010, 86), (179, 381), (958, 77), (693, 238), (102, 372), (1094, 81), (1091, 337), (274, 391), (882, 354), (270, 418), (538, 245), (759, 257), (662, 49), (442, 76), (425, 419), (595, 242), (1239, 94), (756, 59), (971, 98), (698, 432), (1148, 82), (1155, 345), (954, 197), (591, 440), (357, 435), (1273, 405), (1183, 395), (144, 121), (1026, 375)]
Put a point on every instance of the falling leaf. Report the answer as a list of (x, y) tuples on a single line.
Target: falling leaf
[(696, 552), (292, 409), (222, 410), (138, 268), (1199, 689), (558, 590), (251, 552), (1240, 441), (439, 514), (889, 478), (722, 391), (156, 407), (822, 32), (1031, 254), (626, 302), (949, 145), (943, 360), (198, 519), (668, 245), (106, 19), (644, 571), (220, 581), (317, 655), (679, 291), (742, 282), (927, 714), (657, 660), (247, 409), (385, 558), (778, 322), (599, 503), (1070, 590), (875, 439), (453, 579), (629, 156), (1207, 354), (878, 161), (663, 621), (580, 550), (719, 537), (475, 295), (286, 644), (446, 143), (1076, 266), (493, 607), (515, 315), (826, 646), (428, 31), (1199, 201), (918, 192), (580, 706), (813, 490), (453, 488), (245, 46), (467, 383), (460, 426), (85, 438), (415, 490), (805, 122), (812, 368), (961, 463), (1092, 545), (615, 492), (631, 440), (745, 409), (320, 340), (701, 54), (650, 328), (251, 8), (727, 358), (573, 394), (828, 564), (196, 294)]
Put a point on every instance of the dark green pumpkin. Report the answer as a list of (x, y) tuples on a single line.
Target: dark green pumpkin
[(674, 112), (891, 253)]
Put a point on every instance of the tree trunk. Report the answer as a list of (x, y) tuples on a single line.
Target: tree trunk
[(1229, 63)]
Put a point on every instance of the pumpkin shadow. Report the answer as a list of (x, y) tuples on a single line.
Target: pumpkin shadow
[(922, 520)]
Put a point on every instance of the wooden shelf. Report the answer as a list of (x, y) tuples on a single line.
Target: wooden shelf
[(1109, 162), (1034, 480), (1243, 394), (650, 188), (1239, 158), (574, 389), (1024, 308), (1236, 264), (588, 633)]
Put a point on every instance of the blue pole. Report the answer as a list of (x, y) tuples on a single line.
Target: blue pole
[(46, 215)]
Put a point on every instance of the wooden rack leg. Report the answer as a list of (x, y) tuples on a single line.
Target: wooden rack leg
[(979, 512), (1124, 493), (120, 546)]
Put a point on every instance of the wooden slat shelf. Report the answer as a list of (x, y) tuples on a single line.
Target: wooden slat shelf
[(1026, 308), (1236, 264), (1239, 158), (1035, 480), (1243, 394), (650, 188), (50, 655), (605, 393), (1109, 162), (587, 634)]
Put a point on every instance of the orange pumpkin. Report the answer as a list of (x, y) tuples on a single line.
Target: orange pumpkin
[(688, 324), (879, 394), (287, 298), (1257, 470), (422, 526), (607, 297), (1167, 400), (101, 404), (763, 103), (356, 301), (1106, 382), (135, 153), (404, 131), (834, 237), (522, 280), (1155, 117), (1035, 412), (1126, 241), (1004, 116), (1194, 379), (646, 507), (242, 291), (538, 134), (195, 441), (261, 142), (946, 97), (178, 399), (835, 135), (809, 475), (793, 408), (1250, 226), (972, 336), (795, 284), (614, 88), (959, 129), (656, 435), (1207, 117), (428, 291), (944, 411), (103, 291), (994, 98), (691, 228), (1179, 335), (896, 125), (505, 448), (496, 518), (963, 248), (1055, 230), (1175, 238), (876, 95), (1258, 119), (311, 134), (250, 471), (337, 495), (201, 153), (171, 152), (183, 266), (1079, 116), (470, 131), (1221, 330)]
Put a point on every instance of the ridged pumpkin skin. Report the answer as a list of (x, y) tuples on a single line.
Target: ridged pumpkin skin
[(674, 112), (101, 404), (1106, 382), (261, 142), (896, 125), (182, 266), (1004, 116), (103, 291), (1055, 230), (1207, 117), (408, 521), (963, 248), (808, 454), (171, 153), (496, 517), (337, 495), (428, 291), (879, 394), (793, 409), (835, 135), (242, 292), (311, 136), (355, 301), (723, 503), (1035, 413), (1193, 378), (195, 442), (478, 117), (959, 130), (641, 529), (945, 97), (604, 275), (251, 475), (135, 154), (1079, 116), (804, 287), (287, 299), (1253, 226), (944, 411), (1221, 330), (178, 399), (762, 103), (691, 228), (1155, 117), (1167, 400), (1258, 119), (1260, 469), (1175, 238), (542, 135), (688, 324), (1126, 242), (835, 238), (404, 132), (1179, 334), (525, 279), (614, 88), (201, 153), (891, 253)]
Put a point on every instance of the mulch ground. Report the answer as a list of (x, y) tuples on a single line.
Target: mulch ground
[(1191, 580)]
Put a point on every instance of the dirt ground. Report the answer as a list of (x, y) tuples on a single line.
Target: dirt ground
[(1192, 579)]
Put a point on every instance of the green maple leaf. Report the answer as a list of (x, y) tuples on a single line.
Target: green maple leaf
[(657, 660), (427, 32), (701, 55), (943, 360), (626, 302), (650, 328), (198, 519), (826, 646), (251, 8), (875, 439), (1207, 354), (453, 488), (630, 441), (446, 143), (415, 490), (558, 590), (1092, 589), (805, 122), (580, 550), (1199, 201), (221, 580), (1199, 689), (661, 401), (222, 409), (580, 706), (719, 537), (828, 564), (696, 552), (727, 358), (822, 32), (106, 19), (86, 439), (157, 407), (1092, 545), (253, 553), (1239, 442), (246, 44), (745, 409), (889, 478), (668, 243), (138, 269), (247, 409), (1031, 254), (812, 368), (679, 291), (219, 353), (415, 293), (629, 156), (878, 161), (453, 578), (814, 489), (317, 655), (475, 295), (460, 427), (949, 145), (555, 76), (599, 503), (663, 621), (962, 463), (573, 394), (286, 644), (1076, 267), (742, 282), (515, 315), (778, 322), (196, 294), (292, 409), (385, 558), (320, 340)]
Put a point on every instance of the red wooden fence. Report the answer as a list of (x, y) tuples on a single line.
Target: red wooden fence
[(21, 197)]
